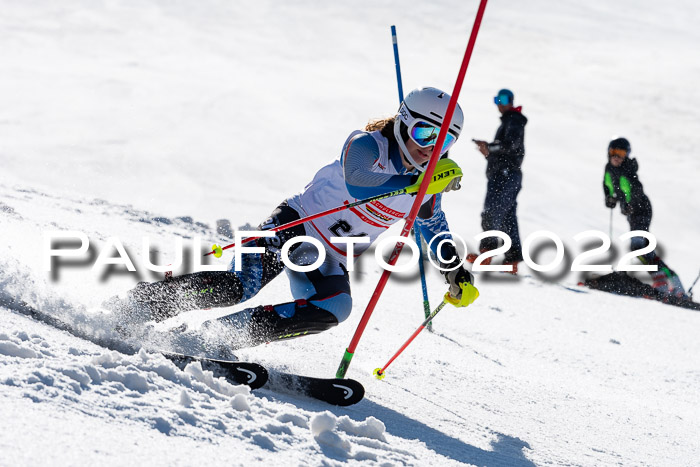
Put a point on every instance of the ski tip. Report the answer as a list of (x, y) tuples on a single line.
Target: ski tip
[(345, 392)]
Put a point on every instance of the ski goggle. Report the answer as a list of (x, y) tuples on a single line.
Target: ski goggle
[(617, 152), (501, 99), (425, 134)]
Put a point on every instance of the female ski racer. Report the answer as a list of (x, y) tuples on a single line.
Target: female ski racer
[(389, 155)]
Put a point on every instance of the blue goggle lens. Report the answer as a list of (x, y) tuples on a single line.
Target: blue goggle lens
[(425, 134), (501, 99)]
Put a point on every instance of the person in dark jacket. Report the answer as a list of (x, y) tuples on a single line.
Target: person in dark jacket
[(621, 184), (504, 156)]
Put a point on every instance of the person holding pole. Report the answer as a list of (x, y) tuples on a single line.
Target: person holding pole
[(621, 184), (389, 156)]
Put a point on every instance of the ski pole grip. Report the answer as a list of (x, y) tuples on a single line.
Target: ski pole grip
[(446, 170), (217, 251)]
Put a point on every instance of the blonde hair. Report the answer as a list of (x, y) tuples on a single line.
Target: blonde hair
[(384, 125)]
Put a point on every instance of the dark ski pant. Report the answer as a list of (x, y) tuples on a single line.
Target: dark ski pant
[(500, 212), (321, 297), (640, 219)]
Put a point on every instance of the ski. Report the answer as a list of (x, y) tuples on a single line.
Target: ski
[(620, 283), (334, 391), (20, 306), (250, 374)]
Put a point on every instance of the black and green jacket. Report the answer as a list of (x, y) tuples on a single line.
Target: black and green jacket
[(623, 183)]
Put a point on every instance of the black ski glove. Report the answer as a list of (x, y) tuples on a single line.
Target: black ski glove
[(462, 291), (456, 277), (610, 201), (626, 209)]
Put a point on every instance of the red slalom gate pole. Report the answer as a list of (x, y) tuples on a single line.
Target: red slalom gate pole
[(379, 372), (350, 351)]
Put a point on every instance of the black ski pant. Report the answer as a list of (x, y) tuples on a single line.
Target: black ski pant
[(500, 212), (321, 295)]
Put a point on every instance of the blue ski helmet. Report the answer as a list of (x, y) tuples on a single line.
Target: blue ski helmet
[(504, 97)]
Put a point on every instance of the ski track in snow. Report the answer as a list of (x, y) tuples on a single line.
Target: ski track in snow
[(79, 380)]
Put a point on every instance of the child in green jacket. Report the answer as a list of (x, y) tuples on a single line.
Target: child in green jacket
[(621, 184)]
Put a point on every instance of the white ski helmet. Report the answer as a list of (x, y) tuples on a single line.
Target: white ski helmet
[(426, 107)]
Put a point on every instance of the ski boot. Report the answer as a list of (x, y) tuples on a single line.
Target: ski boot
[(667, 283), (255, 326), (471, 257), (515, 266)]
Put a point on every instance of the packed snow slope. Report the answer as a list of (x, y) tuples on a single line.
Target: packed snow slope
[(131, 120)]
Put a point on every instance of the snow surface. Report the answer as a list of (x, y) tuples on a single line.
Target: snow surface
[(134, 119)]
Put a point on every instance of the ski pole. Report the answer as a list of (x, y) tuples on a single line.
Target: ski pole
[(690, 291), (217, 250), (410, 219), (416, 232), (379, 372), (423, 283), (395, 41), (611, 227)]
